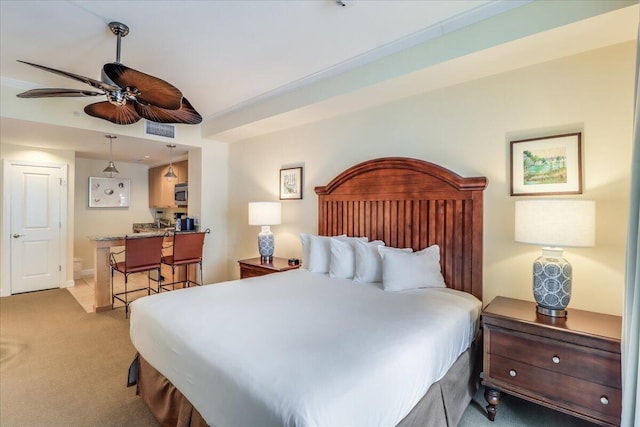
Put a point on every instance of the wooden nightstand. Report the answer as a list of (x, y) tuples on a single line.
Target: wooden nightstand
[(569, 364), (255, 267)]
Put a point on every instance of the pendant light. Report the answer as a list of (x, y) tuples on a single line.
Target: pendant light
[(170, 175), (111, 170)]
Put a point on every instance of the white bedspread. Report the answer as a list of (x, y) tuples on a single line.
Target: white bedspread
[(301, 349)]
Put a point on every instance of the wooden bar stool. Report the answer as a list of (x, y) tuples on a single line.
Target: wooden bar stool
[(187, 250), (140, 254)]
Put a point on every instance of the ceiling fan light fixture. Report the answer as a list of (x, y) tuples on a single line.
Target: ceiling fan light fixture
[(131, 94), (171, 175), (111, 170)]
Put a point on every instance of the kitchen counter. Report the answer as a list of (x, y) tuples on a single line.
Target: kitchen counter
[(138, 235), (150, 227), (135, 235)]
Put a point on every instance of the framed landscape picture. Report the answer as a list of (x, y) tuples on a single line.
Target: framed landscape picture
[(548, 165), (291, 183), (108, 192)]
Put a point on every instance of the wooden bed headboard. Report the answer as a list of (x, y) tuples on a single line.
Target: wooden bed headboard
[(410, 203)]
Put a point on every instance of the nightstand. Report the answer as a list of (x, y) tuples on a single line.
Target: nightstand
[(569, 364), (255, 267)]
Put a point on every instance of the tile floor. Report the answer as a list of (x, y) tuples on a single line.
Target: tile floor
[(83, 289)]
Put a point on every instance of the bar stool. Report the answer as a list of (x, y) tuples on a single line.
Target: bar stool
[(140, 254), (187, 250)]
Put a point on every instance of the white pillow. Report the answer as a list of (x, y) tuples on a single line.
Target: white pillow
[(343, 259), (304, 240), (403, 271), (368, 262), (320, 252)]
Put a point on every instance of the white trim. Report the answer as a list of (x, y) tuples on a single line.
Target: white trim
[(5, 262)]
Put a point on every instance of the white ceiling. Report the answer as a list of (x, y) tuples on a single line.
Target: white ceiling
[(223, 55)]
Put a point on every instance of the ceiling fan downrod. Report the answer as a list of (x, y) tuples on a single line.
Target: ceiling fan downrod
[(120, 30)]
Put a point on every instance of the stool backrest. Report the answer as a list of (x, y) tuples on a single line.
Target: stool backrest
[(143, 251), (188, 246)]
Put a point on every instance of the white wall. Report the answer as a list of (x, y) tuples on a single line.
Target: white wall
[(467, 128), (14, 152), (208, 192), (107, 221)]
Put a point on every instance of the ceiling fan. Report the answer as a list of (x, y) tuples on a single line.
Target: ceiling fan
[(131, 95)]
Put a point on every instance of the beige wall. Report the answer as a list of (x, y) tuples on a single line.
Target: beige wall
[(208, 186), (467, 128)]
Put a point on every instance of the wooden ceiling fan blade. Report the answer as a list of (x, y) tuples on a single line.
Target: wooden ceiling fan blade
[(118, 114), (91, 82), (186, 114), (145, 88), (57, 92)]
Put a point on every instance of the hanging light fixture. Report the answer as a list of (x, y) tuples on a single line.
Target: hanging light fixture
[(170, 175), (111, 170)]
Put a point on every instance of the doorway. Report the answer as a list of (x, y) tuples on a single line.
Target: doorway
[(35, 220)]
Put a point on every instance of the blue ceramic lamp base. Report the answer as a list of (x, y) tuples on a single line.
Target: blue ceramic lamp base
[(552, 283), (266, 244)]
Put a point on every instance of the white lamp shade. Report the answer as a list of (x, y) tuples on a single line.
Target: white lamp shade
[(556, 222), (265, 213)]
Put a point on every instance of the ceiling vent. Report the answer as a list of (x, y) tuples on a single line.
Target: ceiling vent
[(160, 129)]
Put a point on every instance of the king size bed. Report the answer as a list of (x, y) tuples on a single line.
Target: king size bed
[(361, 335)]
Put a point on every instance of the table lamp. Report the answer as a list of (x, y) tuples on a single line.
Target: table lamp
[(265, 214), (553, 223)]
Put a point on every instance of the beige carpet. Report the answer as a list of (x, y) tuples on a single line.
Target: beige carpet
[(61, 366)]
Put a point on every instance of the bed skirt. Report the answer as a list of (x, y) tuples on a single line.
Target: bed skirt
[(442, 405)]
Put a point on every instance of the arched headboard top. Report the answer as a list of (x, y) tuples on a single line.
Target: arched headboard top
[(393, 165), (411, 203)]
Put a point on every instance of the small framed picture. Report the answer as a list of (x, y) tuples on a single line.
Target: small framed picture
[(108, 192), (548, 165), (291, 183)]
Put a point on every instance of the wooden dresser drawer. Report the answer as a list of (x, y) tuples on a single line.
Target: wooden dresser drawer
[(589, 364), (245, 273), (595, 400), (570, 363)]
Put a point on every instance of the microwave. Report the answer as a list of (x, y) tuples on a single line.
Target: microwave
[(181, 194)]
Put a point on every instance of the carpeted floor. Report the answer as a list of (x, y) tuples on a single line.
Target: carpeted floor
[(61, 366)]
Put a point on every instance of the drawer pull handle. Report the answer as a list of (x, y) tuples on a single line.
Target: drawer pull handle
[(513, 373), (604, 400), (555, 359)]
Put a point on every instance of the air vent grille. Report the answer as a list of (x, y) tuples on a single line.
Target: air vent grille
[(160, 129)]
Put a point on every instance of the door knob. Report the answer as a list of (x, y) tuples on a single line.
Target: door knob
[(16, 235)]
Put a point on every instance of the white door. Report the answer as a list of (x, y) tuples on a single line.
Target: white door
[(35, 228)]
